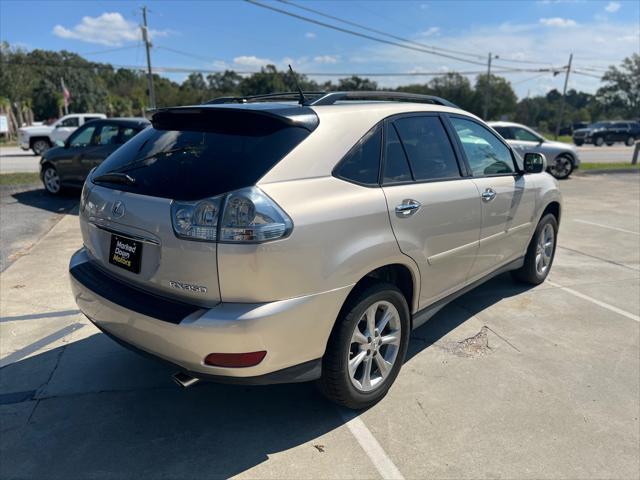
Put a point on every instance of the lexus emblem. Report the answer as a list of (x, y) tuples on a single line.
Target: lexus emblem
[(118, 209)]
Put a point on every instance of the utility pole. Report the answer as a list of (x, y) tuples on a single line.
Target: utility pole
[(487, 90), (564, 97), (147, 44)]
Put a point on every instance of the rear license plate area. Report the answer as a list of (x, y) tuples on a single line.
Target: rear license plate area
[(125, 253)]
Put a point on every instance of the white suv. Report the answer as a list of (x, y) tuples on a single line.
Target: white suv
[(262, 242)]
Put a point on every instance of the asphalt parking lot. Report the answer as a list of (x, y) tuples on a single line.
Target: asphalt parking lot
[(506, 382)]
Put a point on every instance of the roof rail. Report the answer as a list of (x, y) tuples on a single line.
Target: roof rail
[(333, 97), (265, 96)]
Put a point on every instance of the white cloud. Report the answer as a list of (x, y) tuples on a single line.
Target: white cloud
[(525, 41), (430, 32), (110, 28), (326, 59), (310, 35), (252, 61), (558, 22), (612, 7)]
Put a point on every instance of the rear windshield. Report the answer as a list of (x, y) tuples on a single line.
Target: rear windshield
[(196, 163)]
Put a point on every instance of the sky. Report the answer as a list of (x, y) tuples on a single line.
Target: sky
[(216, 35)]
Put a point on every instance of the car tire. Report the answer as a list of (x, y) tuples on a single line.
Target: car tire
[(598, 141), (40, 146), (359, 384), (630, 141), (51, 180), (540, 252), (578, 143), (562, 167)]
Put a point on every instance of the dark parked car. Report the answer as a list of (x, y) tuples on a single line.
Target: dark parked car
[(69, 163), (569, 129), (608, 132)]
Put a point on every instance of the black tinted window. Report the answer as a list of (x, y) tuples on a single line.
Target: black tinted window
[(396, 166), (428, 148), (505, 132), (362, 163), (486, 154), (191, 164)]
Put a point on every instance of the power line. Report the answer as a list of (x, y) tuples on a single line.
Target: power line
[(109, 50), (368, 37), (164, 69), (380, 32), (187, 54), (406, 40)]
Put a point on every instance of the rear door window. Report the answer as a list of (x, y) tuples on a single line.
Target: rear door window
[(486, 154), (211, 154), (523, 135), (428, 148), (108, 135), (396, 165), (362, 164)]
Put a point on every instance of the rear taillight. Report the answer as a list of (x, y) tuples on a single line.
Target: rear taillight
[(243, 216)]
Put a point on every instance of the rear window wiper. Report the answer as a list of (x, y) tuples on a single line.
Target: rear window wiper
[(146, 161), (115, 177)]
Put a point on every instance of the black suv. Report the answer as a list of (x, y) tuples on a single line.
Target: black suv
[(608, 132)]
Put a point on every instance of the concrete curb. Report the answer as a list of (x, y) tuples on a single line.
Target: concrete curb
[(607, 170)]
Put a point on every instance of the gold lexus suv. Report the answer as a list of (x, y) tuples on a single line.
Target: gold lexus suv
[(264, 240)]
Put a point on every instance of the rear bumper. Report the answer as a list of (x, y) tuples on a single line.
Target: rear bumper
[(293, 332)]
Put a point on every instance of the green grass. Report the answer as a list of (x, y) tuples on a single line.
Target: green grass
[(19, 178), (609, 166), (561, 138)]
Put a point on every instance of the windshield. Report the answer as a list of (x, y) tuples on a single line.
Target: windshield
[(191, 165), (599, 125)]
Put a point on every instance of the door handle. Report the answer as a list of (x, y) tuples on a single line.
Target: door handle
[(488, 195), (407, 208)]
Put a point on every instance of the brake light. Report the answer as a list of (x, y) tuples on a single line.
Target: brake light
[(243, 216)]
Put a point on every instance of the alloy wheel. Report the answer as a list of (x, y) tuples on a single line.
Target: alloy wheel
[(544, 249), (561, 167), (374, 347), (40, 146), (51, 180)]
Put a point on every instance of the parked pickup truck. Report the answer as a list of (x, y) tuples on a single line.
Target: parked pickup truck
[(41, 138)]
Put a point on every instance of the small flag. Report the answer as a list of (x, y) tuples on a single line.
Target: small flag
[(65, 94)]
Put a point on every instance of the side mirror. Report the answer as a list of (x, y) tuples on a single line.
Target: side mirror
[(534, 163), (60, 143)]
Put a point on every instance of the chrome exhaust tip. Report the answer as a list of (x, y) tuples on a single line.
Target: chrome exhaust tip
[(184, 379)]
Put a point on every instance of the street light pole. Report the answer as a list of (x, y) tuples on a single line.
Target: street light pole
[(147, 44), (564, 97)]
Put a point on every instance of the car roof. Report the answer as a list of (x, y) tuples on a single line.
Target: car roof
[(506, 124), (127, 121)]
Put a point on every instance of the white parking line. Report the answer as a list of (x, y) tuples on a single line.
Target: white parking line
[(386, 468), (606, 226), (617, 310)]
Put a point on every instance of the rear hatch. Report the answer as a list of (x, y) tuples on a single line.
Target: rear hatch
[(190, 154)]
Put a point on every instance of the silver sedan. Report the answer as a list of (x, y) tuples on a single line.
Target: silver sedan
[(562, 158)]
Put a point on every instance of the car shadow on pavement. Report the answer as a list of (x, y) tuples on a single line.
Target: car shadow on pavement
[(108, 412), (38, 197)]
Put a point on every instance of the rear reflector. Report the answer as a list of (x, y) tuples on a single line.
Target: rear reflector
[(234, 360)]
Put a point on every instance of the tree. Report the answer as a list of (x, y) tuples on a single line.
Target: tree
[(621, 91), (356, 83), (503, 99)]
